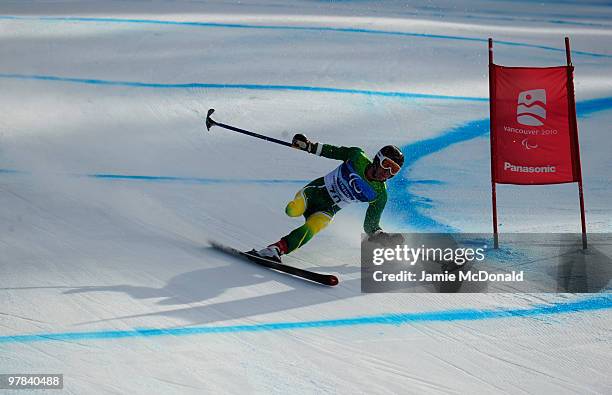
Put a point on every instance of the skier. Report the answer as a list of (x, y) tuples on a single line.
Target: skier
[(357, 179)]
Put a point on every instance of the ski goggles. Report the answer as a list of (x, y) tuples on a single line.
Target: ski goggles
[(388, 164)]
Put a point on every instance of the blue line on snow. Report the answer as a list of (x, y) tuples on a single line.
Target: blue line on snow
[(595, 303), (303, 28), (186, 180), (408, 207), (195, 180), (194, 85), (588, 107), (10, 171), (198, 180)]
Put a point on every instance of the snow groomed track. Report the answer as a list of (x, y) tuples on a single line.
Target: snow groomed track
[(109, 189)]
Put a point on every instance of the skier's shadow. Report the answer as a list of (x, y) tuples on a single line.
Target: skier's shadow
[(189, 287), (202, 285)]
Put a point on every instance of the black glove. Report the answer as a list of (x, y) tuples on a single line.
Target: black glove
[(302, 143), (388, 239)]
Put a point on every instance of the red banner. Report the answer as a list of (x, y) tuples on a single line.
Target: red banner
[(533, 126)]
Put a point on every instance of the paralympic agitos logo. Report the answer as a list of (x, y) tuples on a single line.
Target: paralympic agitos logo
[(353, 182)]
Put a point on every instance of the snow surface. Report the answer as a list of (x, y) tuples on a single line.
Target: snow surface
[(110, 187)]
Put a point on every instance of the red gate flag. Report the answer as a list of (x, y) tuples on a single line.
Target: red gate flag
[(533, 132)]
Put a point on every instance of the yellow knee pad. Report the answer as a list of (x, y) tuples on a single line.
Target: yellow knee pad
[(317, 221), (297, 206)]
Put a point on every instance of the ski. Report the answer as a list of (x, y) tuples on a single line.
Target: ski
[(320, 278)]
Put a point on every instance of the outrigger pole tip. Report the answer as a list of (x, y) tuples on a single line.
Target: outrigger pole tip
[(209, 122)]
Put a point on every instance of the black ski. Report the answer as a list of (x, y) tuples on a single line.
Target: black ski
[(325, 279)]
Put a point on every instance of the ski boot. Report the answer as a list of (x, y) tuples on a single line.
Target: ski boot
[(271, 253)]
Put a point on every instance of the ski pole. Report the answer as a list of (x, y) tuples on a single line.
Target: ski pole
[(210, 122)]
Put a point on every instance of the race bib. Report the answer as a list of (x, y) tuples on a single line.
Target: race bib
[(345, 186)]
